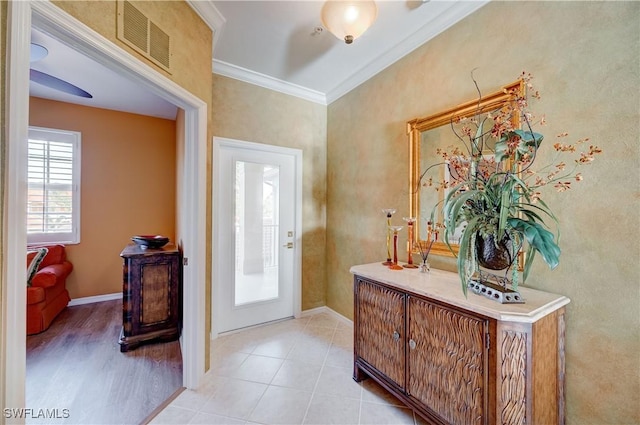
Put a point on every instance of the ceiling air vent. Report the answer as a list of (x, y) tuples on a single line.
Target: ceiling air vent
[(144, 36)]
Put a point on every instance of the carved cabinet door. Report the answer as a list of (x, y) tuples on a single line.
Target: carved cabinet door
[(380, 339), (448, 364)]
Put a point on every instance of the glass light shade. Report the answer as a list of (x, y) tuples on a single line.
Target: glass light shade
[(348, 20)]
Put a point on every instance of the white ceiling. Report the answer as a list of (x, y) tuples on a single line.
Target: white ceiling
[(274, 44), (109, 89)]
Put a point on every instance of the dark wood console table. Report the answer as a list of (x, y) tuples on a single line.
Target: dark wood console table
[(150, 295)]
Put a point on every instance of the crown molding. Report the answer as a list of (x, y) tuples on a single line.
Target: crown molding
[(211, 16), (437, 25), (216, 21), (251, 77)]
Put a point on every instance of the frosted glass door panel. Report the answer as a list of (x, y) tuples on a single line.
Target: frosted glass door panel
[(256, 232)]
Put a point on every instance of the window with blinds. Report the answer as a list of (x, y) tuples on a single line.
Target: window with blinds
[(53, 195)]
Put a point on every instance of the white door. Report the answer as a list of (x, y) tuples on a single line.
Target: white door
[(255, 254)]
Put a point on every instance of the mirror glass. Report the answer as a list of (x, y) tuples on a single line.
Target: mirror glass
[(427, 137)]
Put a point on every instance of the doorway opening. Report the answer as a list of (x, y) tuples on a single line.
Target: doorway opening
[(192, 193)]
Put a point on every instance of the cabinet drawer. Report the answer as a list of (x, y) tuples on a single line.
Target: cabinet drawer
[(156, 297), (448, 365), (379, 337)]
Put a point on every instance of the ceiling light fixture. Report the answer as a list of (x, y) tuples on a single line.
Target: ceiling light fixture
[(348, 20)]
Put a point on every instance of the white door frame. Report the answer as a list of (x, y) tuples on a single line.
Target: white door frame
[(53, 20), (217, 278)]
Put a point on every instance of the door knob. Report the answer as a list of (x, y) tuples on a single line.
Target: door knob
[(288, 245)]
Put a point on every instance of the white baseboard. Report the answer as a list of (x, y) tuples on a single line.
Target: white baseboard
[(325, 309), (95, 299), (305, 313)]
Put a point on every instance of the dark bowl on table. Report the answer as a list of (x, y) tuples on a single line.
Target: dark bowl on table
[(150, 241)]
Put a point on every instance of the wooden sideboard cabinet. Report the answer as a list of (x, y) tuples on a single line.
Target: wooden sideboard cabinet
[(150, 295), (458, 360)]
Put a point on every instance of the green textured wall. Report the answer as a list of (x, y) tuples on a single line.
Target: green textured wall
[(254, 114), (585, 58)]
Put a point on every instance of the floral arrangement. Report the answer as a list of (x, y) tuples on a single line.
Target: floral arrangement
[(494, 191)]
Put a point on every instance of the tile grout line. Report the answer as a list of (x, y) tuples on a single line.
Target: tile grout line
[(250, 353), (248, 418), (315, 387), (269, 385)]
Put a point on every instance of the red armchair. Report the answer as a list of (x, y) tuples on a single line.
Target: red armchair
[(47, 296)]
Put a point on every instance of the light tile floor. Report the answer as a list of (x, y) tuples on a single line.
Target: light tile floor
[(297, 371)]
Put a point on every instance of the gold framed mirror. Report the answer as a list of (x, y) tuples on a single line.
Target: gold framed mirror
[(433, 132)]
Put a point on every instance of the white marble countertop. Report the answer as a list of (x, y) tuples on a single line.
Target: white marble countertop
[(445, 286)]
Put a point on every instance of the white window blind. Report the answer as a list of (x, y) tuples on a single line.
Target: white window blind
[(53, 197)]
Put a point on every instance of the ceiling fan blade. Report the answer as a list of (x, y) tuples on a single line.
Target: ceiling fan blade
[(57, 84)]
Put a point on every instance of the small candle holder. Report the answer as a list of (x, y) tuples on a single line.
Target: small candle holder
[(394, 265), (388, 212), (410, 222)]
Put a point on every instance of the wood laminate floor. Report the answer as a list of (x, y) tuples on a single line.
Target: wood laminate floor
[(77, 365)]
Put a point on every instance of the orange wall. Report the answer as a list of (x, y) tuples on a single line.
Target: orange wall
[(128, 186)]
